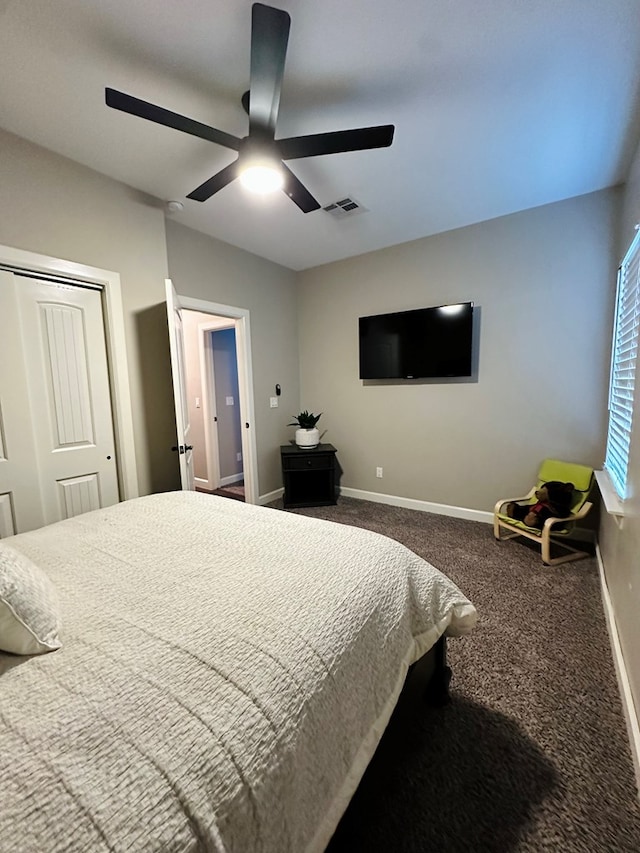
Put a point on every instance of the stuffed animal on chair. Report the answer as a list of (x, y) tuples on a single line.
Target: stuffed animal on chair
[(553, 500)]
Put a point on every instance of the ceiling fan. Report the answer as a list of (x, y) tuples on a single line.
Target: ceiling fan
[(260, 149)]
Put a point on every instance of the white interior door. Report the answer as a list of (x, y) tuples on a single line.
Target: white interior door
[(58, 424), (183, 427), (20, 499)]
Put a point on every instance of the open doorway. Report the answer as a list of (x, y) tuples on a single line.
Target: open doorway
[(186, 356), (213, 401)]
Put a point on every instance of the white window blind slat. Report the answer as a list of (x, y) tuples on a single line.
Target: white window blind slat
[(623, 368)]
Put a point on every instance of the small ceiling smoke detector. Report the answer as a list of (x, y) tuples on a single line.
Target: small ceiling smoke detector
[(344, 207), (175, 207)]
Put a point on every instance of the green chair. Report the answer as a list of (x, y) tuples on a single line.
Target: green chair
[(551, 469)]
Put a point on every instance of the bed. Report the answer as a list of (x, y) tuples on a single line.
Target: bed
[(223, 676)]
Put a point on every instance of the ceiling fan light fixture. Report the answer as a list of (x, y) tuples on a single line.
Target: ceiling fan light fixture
[(262, 177), (269, 39)]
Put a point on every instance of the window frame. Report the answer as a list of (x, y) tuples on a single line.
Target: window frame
[(624, 357)]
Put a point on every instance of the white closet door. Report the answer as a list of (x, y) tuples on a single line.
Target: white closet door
[(69, 397), (20, 500)]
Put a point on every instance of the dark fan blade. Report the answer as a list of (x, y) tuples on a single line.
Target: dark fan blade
[(269, 38), (217, 182), (143, 109), (297, 192), (336, 142)]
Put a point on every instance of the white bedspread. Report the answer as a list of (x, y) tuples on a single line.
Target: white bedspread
[(225, 676)]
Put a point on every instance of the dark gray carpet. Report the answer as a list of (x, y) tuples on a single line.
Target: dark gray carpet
[(235, 492), (532, 752)]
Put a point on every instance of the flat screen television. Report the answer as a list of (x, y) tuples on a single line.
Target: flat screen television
[(423, 343)]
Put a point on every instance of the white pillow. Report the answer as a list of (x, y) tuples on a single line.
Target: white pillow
[(29, 621)]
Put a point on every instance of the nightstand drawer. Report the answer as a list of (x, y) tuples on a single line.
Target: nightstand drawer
[(307, 462)]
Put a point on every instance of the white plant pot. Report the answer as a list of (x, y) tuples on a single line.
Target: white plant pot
[(308, 437)]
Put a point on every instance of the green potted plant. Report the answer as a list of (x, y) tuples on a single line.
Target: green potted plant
[(307, 434)]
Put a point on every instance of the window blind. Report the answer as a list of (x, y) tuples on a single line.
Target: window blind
[(623, 368)]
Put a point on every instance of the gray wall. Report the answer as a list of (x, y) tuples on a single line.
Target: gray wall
[(52, 206), (542, 282), (204, 268), (620, 546)]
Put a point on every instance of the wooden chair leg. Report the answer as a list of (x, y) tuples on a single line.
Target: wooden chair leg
[(574, 554), (502, 533), (499, 531)]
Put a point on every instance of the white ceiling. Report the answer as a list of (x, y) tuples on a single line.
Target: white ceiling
[(499, 106)]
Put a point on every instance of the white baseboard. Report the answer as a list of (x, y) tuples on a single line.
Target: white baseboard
[(392, 500), (233, 478), (580, 534), (270, 496), (201, 483), (422, 506), (628, 705)]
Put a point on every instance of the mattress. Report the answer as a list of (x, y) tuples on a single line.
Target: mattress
[(225, 675)]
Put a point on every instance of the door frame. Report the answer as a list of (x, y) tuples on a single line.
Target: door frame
[(208, 387), (19, 260), (241, 319)]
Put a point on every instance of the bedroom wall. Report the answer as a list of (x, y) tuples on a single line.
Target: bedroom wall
[(542, 282), (204, 268), (620, 545), (53, 206)]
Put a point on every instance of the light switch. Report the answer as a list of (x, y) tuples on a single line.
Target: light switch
[(273, 402), (197, 402), (229, 401)]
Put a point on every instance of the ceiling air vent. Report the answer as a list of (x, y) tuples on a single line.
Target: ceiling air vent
[(344, 207)]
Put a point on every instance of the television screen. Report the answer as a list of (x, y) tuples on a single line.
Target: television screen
[(423, 343)]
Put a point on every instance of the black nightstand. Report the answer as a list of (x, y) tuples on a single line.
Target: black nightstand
[(309, 475)]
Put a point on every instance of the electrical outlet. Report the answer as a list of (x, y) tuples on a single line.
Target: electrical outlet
[(273, 402), (379, 472), (238, 457), (229, 401), (197, 402)]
